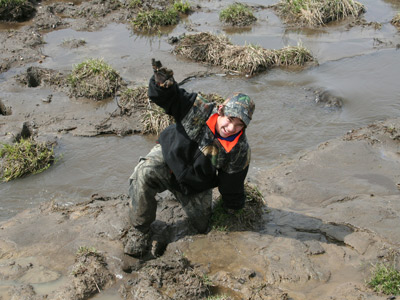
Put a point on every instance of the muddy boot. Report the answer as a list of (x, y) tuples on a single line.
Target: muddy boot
[(137, 242)]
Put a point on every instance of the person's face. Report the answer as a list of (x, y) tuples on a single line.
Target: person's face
[(227, 126)]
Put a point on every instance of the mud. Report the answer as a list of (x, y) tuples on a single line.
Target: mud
[(317, 242), (330, 214)]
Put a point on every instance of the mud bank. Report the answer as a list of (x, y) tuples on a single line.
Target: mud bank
[(329, 218)]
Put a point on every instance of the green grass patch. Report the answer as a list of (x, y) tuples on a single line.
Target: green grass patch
[(237, 14), (84, 250), (94, 79), (24, 157), (135, 3), (248, 59), (247, 218), (182, 6), (315, 12), (385, 279), (154, 19)]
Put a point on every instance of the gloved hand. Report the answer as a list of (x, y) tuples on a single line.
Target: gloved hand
[(164, 77)]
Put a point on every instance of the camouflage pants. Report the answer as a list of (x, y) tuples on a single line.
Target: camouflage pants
[(152, 176)]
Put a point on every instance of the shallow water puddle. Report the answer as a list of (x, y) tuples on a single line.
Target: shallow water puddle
[(87, 166)]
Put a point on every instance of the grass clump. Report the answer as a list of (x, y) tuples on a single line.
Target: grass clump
[(315, 12), (94, 79), (154, 19), (204, 47), (15, 10), (385, 279), (153, 118), (24, 157), (291, 56), (135, 3), (248, 59), (182, 7), (84, 250), (237, 14), (396, 20), (247, 218)]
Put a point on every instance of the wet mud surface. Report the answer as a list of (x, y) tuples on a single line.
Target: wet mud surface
[(318, 242), (331, 212)]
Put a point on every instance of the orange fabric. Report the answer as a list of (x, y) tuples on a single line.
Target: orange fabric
[(228, 146)]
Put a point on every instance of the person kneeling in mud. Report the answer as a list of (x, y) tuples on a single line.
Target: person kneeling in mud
[(206, 148)]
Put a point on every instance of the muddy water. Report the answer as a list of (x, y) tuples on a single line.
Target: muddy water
[(360, 64)]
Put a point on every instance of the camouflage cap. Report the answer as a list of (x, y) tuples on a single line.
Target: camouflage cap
[(240, 106)]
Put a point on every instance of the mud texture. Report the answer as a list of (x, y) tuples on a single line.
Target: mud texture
[(319, 240)]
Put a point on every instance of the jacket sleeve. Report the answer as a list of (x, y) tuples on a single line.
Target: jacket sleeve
[(231, 187), (174, 100)]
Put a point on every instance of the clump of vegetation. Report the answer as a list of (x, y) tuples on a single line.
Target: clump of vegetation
[(237, 14), (153, 19), (204, 47), (182, 7), (247, 218), (292, 56), (84, 250), (396, 20), (153, 118), (16, 10), (248, 59), (315, 13), (135, 3), (24, 157), (385, 279), (94, 79)]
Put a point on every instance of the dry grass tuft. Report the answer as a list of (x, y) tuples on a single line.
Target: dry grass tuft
[(153, 118), (204, 47), (292, 56), (315, 13), (396, 21), (249, 59)]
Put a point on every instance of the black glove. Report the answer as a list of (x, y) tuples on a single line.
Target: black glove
[(164, 77)]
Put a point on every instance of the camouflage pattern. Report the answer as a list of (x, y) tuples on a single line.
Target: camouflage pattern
[(151, 176), (240, 106), (194, 124)]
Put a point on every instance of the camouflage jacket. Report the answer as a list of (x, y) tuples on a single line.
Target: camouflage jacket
[(194, 155)]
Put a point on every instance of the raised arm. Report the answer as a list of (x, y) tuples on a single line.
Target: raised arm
[(165, 92)]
